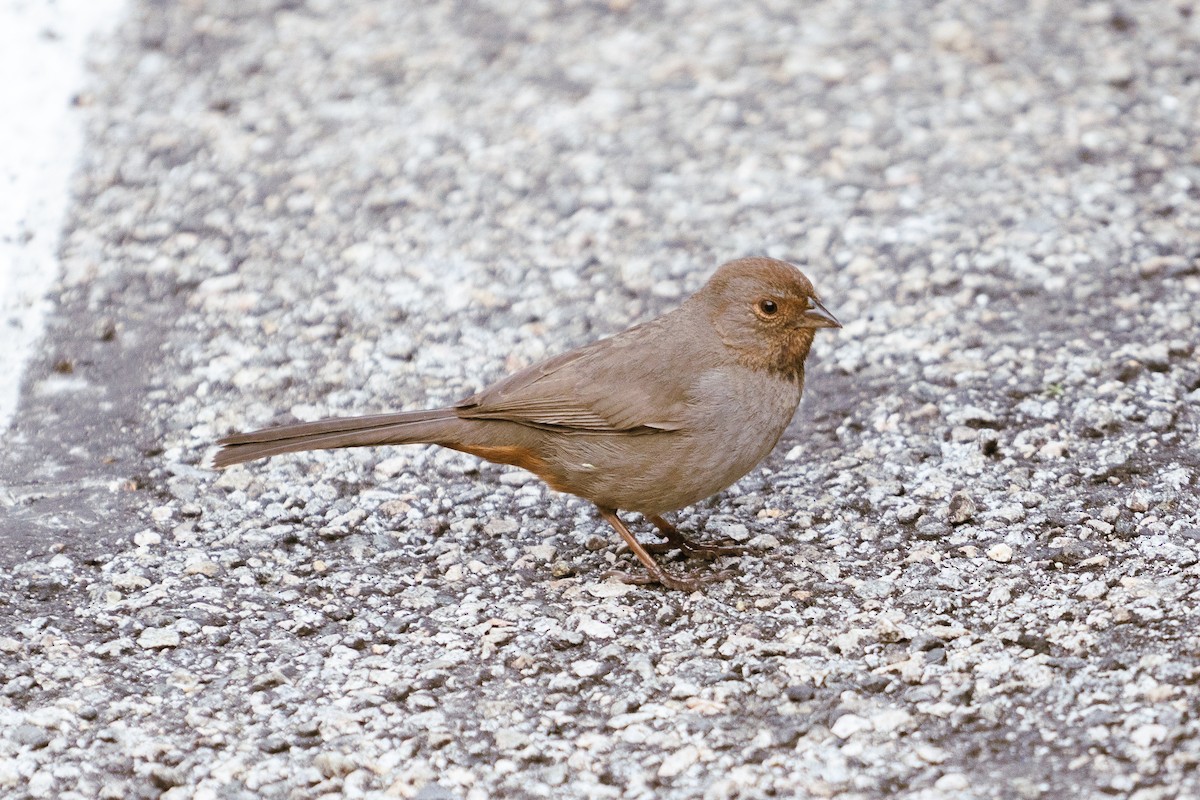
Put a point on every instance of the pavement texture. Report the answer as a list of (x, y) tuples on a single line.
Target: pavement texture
[(975, 565)]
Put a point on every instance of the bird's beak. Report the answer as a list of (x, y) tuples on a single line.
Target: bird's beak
[(817, 316)]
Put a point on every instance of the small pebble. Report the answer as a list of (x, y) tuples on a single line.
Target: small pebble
[(1000, 552)]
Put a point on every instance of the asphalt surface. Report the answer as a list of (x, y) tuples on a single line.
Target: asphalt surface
[(975, 556)]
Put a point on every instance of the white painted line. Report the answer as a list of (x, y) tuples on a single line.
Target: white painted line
[(43, 63)]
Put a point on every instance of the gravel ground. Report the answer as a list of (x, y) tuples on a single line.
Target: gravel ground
[(976, 554)]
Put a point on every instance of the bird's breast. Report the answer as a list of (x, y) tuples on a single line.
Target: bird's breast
[(743, 412), (734, 418)]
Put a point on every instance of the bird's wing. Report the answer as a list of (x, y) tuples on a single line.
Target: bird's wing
[(609, 386)]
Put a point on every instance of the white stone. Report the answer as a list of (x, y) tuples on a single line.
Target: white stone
[(1000, 552), (1149, 734), (542, 552), (595, 629), (931, 754), (849, 724), (890, 719), (203, 567), (587, 668), (609, 589), (130, 581), (154, 638), (952, 782), (679, 761), (147, 538)]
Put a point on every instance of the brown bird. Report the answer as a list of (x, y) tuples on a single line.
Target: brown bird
[(651, 420)]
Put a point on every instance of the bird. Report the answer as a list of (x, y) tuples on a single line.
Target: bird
[(650, 420)]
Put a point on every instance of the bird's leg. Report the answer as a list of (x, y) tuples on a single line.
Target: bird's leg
[(677, 541), (687, 583)]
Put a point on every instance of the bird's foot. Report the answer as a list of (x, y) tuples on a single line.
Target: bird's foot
[(688, 582), (675, 540), (655, 573), (692, 549)]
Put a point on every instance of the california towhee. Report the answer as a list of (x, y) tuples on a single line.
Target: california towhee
[(650, 420)]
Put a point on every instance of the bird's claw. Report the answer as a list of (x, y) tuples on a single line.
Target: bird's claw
[(675, 540), (705, 550), (654, 572), (689, 582)]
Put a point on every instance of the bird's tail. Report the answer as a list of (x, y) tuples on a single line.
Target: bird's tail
[(405, 427)]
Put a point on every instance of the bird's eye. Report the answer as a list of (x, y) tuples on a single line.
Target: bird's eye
[(768, 308)]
